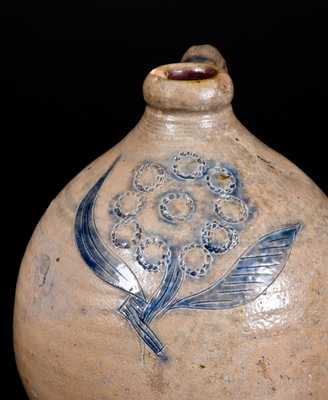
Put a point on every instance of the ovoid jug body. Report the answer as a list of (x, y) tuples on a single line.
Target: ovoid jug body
[(188, 262)]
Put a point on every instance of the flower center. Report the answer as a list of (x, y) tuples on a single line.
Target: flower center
[(176, 207)]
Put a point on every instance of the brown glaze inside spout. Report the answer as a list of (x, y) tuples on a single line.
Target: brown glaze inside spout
[(191, 74)]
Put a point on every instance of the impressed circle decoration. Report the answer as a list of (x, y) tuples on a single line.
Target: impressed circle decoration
[(221, 181), (128, 204), (231, 209), (219, 239), (153, 253), (195, 260), (176, 207), (188, 165), (149, 176), (126, 233)]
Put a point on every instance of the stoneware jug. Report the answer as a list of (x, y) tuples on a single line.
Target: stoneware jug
[(188, 262)]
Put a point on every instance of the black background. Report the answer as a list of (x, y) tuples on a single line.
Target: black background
[(71, 77)]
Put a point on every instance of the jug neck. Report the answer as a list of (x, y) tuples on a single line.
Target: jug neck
[(176, 125)]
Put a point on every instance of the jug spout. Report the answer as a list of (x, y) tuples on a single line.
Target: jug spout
[(200, 82)]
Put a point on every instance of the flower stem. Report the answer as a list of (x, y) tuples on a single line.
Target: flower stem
[(131, 310)]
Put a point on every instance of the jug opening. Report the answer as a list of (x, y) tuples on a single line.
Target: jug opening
[(192, 73), (188, 86)]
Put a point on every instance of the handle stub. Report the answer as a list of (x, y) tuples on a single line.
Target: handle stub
[(205, 54)]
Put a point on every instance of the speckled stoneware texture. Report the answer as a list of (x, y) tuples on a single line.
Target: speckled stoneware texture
[(188, 262)]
